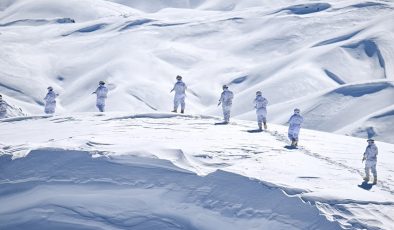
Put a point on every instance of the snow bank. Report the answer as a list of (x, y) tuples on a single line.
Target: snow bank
[(73, 190), (290, 50), (173, 158)]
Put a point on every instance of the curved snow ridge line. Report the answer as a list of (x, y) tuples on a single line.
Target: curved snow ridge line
[(283, 138), (371, 49), (88, 29), (338, 39), (37, 22), (359, 90), (249, 201), (24, 118), (313, 199), (103, 25), (385, 114), (369, 4), (162, 116)]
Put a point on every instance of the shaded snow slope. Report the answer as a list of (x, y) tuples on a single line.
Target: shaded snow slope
[(330, 111), (291, 50), (171, 172), (73, 190)]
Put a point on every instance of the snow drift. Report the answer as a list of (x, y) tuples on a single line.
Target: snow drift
[(287, 49), (118, 170), (139, 193)]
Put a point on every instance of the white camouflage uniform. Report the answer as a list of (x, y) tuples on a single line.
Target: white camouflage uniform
[(101, 93), (261, 109), (295, 122), (180, 94), (370, 155), (3, 109), (50, 102), (226, 99)]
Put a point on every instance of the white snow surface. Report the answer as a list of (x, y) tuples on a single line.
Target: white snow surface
[(139, 167), (168, 171), (332, 59)]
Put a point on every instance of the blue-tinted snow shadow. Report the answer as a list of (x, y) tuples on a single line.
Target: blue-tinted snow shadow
[(88, 29), (239, 80), (306, 8), (334, 77), (337, 39), (368, 4), (228, 195), (254, 131), (366, 185), (167, 24), (386, 114), (363, 89), (289, 147), (38, 22), (221, 123), (160, 115), (24, 118), (135, 23), (370, 48)]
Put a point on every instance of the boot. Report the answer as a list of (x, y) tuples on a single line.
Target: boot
[(265, 126), (174, 111), (182, 111), (293, 143), (375, 180), (366, 179), (260, 127)]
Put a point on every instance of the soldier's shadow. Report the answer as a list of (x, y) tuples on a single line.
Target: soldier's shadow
[(365, 185), (254, 131)]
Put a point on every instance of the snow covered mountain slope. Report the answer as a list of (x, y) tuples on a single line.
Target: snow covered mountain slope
[(304, 54), (163, 171)]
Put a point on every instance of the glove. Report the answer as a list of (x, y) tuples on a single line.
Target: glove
[(219, 103), (363, 159)]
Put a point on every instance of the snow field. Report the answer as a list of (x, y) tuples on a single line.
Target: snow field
[(323, 177)]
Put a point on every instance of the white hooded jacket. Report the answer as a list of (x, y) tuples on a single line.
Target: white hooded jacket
[(101, 93), (371, 153), (226, 98)]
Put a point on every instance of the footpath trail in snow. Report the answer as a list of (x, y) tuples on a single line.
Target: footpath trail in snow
[(205, 175)]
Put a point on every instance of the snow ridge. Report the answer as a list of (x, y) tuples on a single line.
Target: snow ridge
[(128, 164)]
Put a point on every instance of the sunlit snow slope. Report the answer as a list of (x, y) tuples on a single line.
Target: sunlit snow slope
[(332, 59), (162, 171)]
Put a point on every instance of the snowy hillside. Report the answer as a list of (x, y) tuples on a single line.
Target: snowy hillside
[(333, 59), (162, 171)]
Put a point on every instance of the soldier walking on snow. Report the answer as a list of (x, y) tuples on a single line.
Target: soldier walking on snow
[(261, 110), (295, 122), (3, 107), (101, 93), (180, 94), (370, 158), (50, 101), (226, 99)]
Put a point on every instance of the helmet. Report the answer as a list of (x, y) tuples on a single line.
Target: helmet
[(297, 111), (258, 93), (50, 88), (178, 77), (101, 83), (225, 87)]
